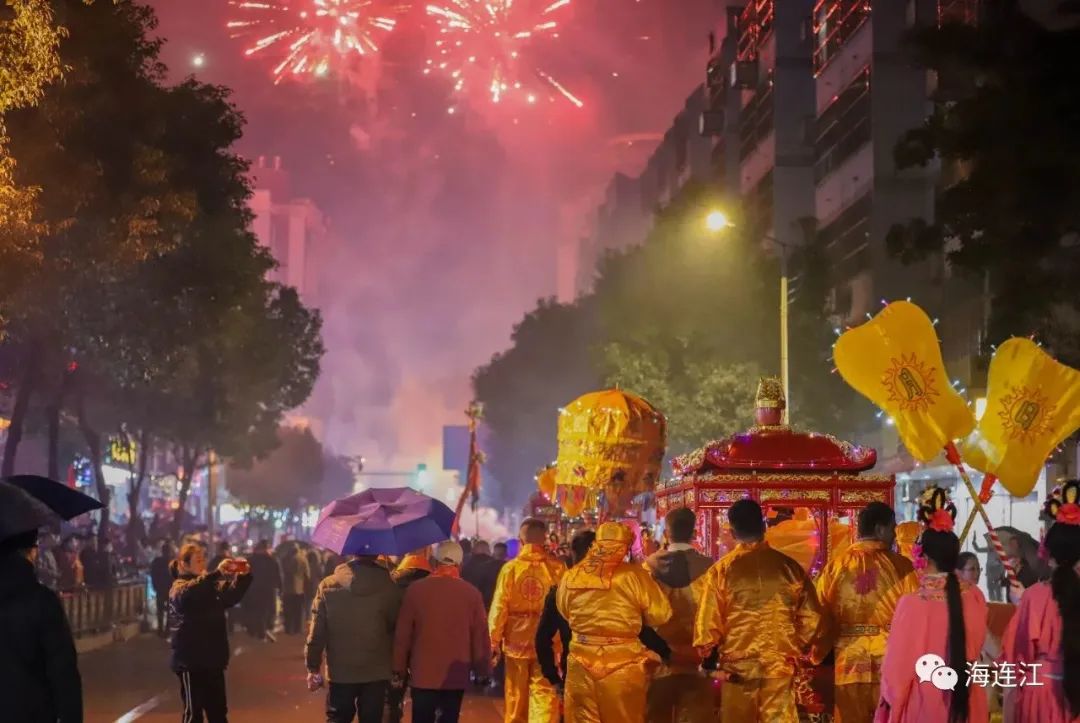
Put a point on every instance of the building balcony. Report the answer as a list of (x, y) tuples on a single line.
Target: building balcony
[(835, 22)]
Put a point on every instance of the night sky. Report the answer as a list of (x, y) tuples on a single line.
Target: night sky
[(448, 223)]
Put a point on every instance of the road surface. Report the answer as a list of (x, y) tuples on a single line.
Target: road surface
[(131, 681)]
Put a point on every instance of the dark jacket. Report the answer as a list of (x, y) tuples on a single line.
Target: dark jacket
[(267, 579), (679, 573), (160, 577), (39, 671), (482, 572), (407, 577), (97, 570), (352, 621), (551, 622), (199, 632)]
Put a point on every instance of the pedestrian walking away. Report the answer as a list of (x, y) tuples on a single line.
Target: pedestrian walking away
[(441, 636), (352, 628), (161, 580), (295, 574), (260, 605), (198, 601)]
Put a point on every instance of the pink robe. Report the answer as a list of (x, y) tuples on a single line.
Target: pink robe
[(1034, 636), (919, 626)]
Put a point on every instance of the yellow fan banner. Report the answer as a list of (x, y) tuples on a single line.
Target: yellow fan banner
[(1032, 405), (895, 361)]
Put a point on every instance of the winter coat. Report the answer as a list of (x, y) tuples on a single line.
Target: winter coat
[(96, 568), (681, 574), (294, 574), (352, 621), (160, 577), (442, 634), (39, 672), (198, 629), (315, 567), (267, 579), (482, 572)]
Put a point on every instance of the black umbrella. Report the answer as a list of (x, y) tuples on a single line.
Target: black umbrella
[(22, 512), (59, 498)]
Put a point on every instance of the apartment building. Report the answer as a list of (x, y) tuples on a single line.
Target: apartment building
[(630, 204)]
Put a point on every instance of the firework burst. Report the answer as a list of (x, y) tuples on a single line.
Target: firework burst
[(310, 38), (490, 43)]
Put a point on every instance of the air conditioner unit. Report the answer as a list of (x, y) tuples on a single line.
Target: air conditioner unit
[(744, 74), (711, 123)]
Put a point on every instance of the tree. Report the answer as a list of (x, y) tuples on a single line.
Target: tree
[(338, 479), (688, 321), (1004, 129), (289, 478), (107, 201), (522, 388)]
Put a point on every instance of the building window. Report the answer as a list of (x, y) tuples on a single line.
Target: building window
[(846, 239), (755, 25), (756, 120), (843, 127), (835, 21)]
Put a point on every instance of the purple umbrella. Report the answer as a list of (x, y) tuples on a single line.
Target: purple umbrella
[(392, 521)]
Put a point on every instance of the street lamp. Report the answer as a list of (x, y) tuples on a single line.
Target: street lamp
[(716, 221)]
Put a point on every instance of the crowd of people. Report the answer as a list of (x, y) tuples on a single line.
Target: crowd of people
[(600, 637)]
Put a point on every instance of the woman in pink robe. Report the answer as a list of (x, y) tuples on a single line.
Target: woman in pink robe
[(1037, 632), (923, 624)]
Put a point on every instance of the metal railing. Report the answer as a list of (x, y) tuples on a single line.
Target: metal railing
[(97, 611)]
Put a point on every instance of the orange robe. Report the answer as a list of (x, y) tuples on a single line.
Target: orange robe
[(760, 610), (515, 613), (606, 601), (858, 591)]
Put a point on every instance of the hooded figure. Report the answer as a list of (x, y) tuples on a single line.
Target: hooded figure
[(352, 626), (679, 691), (607, 601)]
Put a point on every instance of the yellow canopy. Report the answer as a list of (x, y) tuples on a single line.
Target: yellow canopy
[(610, 440)]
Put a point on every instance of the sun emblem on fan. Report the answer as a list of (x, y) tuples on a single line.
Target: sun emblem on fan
[(910, 383), (1025, 414)]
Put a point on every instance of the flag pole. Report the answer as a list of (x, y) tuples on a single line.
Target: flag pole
[(475, 413)]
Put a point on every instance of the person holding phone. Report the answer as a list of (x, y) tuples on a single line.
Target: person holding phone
[(198, 630)]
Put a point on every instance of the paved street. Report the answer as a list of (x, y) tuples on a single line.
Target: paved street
[(131, 681)]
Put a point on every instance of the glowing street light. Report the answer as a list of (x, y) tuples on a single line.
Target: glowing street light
[(717, 221)]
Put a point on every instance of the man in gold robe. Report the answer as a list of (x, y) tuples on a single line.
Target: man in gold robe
[(679, 693), (859, 589), (606, 601), (759, 612), (515, 613)]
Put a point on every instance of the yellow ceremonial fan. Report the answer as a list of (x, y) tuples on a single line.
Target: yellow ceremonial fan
[(1032, 404), (895, 361)]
